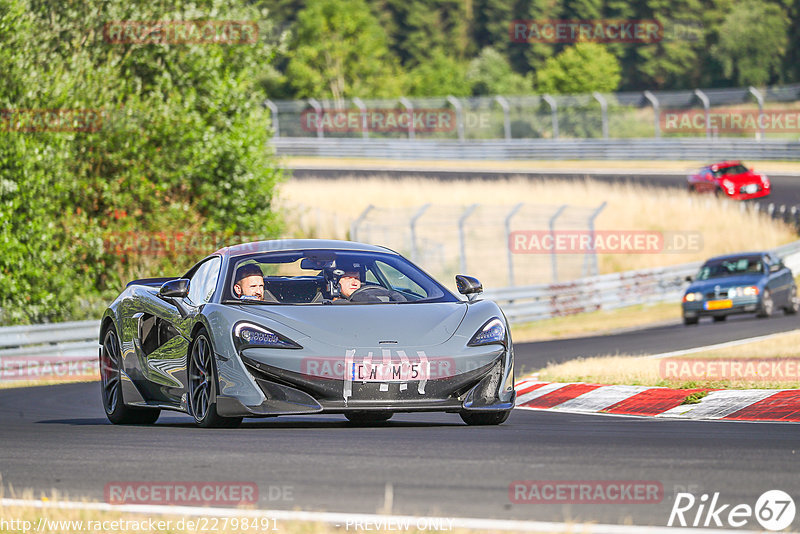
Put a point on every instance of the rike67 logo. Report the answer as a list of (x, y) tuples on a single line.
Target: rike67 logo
[(774, 510)]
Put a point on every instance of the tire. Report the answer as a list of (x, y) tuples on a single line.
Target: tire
[(485, 418), (690, 320), (767, 306), (203, 386), (720, 318), (368, 418), (792, 304), (111, 386)]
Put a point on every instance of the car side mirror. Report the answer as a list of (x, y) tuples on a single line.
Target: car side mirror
[(690, 278), (468, 285), (775, 267), (175, 288)]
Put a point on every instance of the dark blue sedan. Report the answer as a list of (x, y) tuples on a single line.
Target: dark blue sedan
[(752, 282)]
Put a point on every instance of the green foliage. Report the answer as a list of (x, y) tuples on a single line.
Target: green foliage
[(490, 74), (180, 146), (442, 75), (752, 42), (582, 68), (339, 50)]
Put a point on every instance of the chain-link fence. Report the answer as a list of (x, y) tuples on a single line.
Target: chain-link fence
[(768, 112)]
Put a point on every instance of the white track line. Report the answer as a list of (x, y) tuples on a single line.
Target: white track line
[(718, 345), (344, 519)]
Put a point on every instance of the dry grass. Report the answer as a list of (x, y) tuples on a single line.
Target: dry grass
[(9, 384), (325, 208), (595, 323), (633, 370)]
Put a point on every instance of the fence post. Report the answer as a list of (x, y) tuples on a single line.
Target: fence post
[(510, 215), (273, 110), (760, 99), (656, 111), (553, 113), (506, 117), (591, 254), (604, 111), (357, 223), (706, 106), (552, 225), (362, 109), (410, 108), (461, 240), (459, 116), (318, 109), (413, 226)]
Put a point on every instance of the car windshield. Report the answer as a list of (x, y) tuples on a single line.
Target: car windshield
[(318, 277), (732, 170), (731, 267)]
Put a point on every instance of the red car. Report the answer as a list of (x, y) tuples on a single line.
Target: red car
[(730, 178)]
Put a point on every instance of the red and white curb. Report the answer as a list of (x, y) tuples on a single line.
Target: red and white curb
[(781, 405)]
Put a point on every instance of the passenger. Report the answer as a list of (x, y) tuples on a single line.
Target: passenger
[(249, 282)]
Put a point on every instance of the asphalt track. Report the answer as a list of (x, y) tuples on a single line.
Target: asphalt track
[(57, 437), (785, 187)]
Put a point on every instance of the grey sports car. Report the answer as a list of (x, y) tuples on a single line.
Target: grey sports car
[(291, 327)]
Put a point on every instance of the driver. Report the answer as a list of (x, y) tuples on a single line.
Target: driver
[(349, 283), (249, 282)]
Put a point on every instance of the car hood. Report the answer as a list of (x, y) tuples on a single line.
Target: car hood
[(742, 178), (725, 282), (353, 326)]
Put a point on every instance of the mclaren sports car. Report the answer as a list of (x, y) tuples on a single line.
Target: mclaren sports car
[(292, 327)]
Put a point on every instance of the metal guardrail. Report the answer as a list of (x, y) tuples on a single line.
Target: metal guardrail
[(550, 149), (68, 343)]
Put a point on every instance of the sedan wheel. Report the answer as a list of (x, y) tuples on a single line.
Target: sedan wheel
[(767, 306), (111, 386), (202, 386), (793, 303)]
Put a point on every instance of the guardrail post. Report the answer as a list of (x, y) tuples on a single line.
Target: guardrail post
[(273, 110), (459, 116), (318, 109), (461, 239), (591, 254), (507, 223), (357, 223), (656, 112), (603, 110), (413, 226), (362, 109), (706, 106), (553, 113), (552, 225), (506, 116), (410, 108), (760, 99)]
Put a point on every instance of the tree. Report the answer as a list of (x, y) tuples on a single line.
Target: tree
[(441, 75), (339, 50), (752, 42), (490, 74), (582, 68)]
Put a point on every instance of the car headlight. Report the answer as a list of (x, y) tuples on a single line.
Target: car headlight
[(764, 180), (493, 331), (748, 291), (692, 297), (729, 186), (249, 335)]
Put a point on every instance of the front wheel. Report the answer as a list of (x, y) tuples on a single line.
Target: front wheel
[(202, 386), (111, 386), (690, 320), (485, 418), (767, 305)]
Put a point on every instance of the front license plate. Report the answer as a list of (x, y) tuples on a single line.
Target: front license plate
[(392, 372), (719, 304), (751, 188)]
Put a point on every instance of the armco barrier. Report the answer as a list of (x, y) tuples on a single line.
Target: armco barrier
[(78, 341), (685, 148)]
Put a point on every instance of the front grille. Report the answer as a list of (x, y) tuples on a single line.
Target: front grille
[(744, 190)]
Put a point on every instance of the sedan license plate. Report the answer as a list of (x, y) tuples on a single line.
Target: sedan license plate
[(719, 304), (391, 372), (751, 188)]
